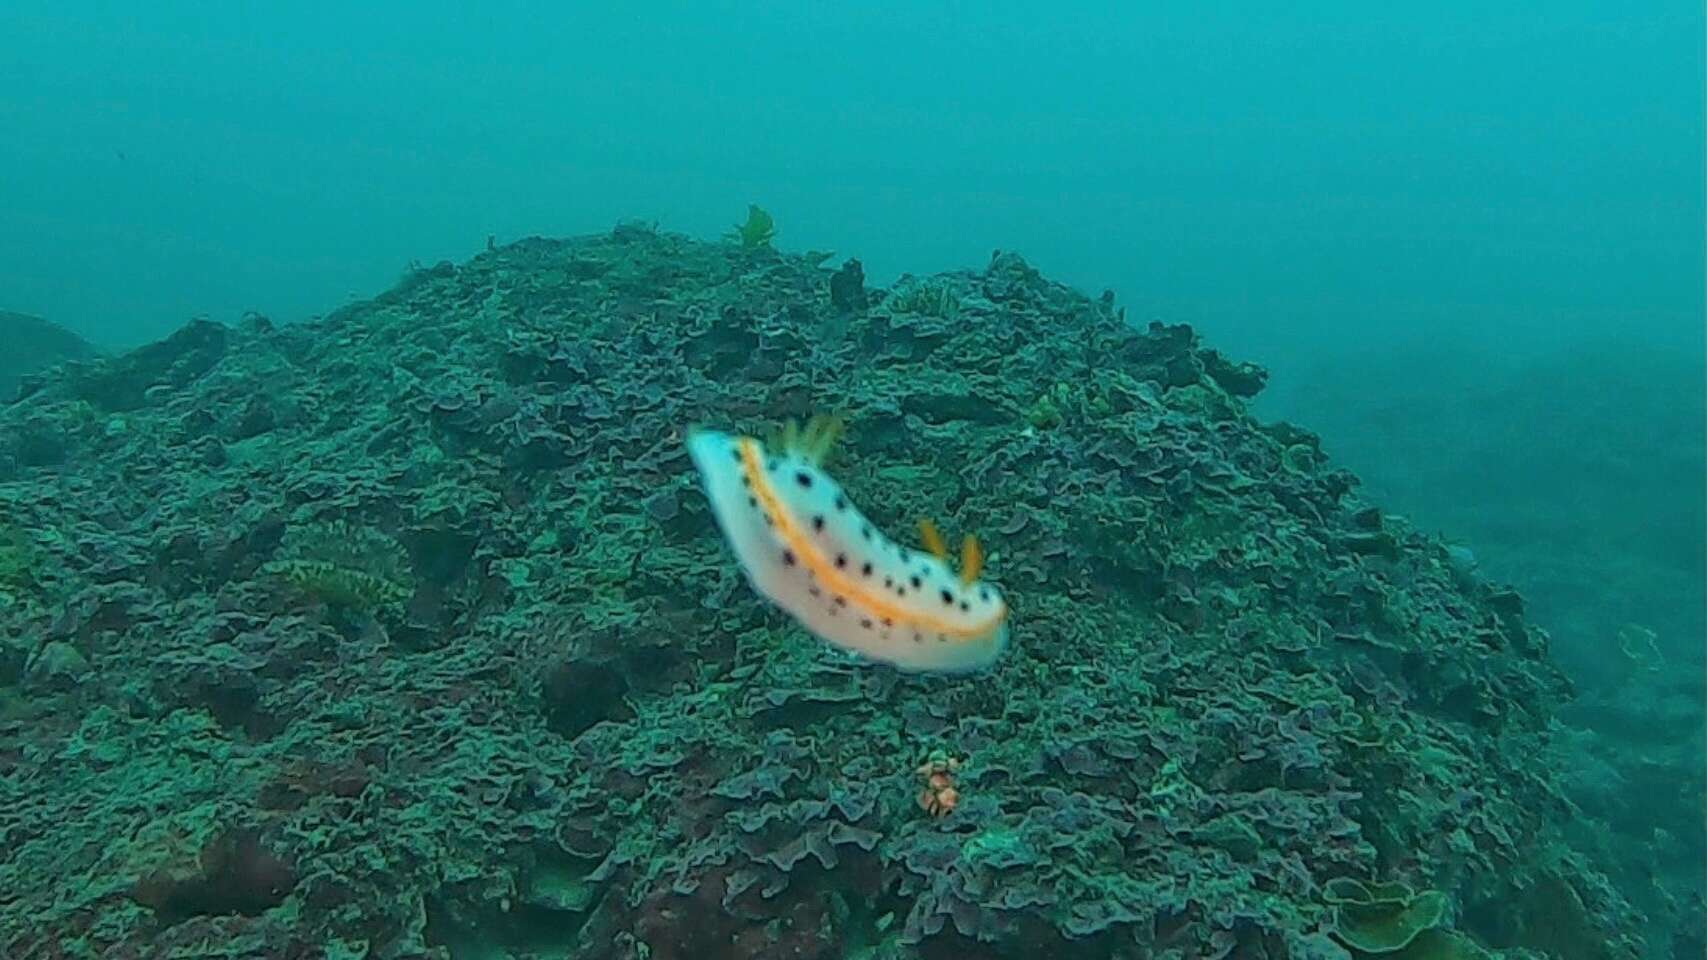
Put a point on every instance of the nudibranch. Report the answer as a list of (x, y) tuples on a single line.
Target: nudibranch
[(803, 545)]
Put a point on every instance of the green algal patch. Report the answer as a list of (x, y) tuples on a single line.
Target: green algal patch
[(347, 567), (930, 298), (758, 230)]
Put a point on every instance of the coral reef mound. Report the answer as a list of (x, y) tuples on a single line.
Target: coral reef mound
[(406, 633), (32, 345)]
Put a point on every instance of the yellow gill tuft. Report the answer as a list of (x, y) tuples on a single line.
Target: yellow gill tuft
[(971, 560)]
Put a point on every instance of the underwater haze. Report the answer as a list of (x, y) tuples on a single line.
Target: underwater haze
[(1302, 180), (420, 536)]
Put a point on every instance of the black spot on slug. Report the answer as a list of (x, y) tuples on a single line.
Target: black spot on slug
[(841, 502), (803, 478), (818, 522), (947, 598), (841, 601), (916, 584), (788, 558), (964, 606), (841, 560), (865, 622)]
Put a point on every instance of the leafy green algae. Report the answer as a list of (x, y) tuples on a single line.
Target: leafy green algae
[(758, 230)]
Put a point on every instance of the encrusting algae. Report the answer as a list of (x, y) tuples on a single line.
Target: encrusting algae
[(803, 545)]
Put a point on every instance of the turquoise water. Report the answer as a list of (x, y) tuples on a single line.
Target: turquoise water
[(361, 600)]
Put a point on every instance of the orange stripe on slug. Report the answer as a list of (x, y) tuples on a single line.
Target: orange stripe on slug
[(806, 552)]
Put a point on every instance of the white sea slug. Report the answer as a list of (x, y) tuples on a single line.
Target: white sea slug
[(803, 545)]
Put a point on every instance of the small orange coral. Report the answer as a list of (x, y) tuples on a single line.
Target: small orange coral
[(939, 796)]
